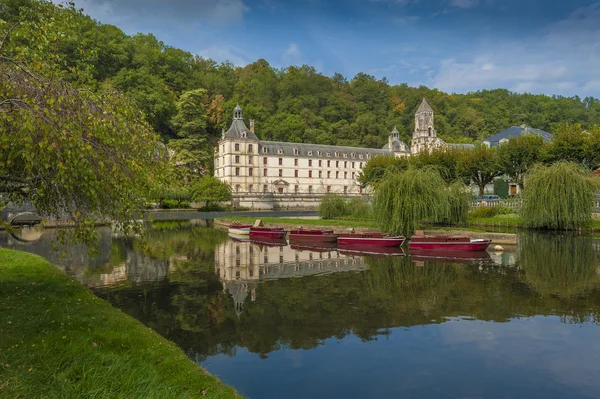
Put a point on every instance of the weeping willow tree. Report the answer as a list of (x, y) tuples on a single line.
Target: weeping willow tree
[(559, 196), (333, 206), (403, 200), (558, 265)]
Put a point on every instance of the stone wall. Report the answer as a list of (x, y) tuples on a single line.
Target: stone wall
[(277, 201)]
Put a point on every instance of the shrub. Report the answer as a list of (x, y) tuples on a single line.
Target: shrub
[(212, 208), (559, 196), (359, 208), (333, 206), (174, 204), (489, 211)]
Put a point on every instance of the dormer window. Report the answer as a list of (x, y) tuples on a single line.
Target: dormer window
[(328, 154), (243, 135), (295, 151), (265, 150), (280, 151), (319, 153), (353, 155), (345, 155), (309, 153), (337, 154), (360, 156)]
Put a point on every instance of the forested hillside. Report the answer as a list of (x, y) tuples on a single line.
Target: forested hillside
[(292, 104)]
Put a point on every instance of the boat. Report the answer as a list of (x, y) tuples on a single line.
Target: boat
[(447, 243), (267, 232), (371, 240), (269, 242), (239, 229), (312, 236)]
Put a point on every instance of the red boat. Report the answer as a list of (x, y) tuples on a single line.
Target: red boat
[(269, 242), (267, 232), (371, 240), (313, 236), (447, 243)]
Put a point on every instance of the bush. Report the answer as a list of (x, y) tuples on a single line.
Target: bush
[(333, 206), (358, 208), (212, 208), (489, 211), (174, 204)]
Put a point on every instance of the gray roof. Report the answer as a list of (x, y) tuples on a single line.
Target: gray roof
[(237, 130), (462, 146), (515, 131), (424, 107), (318, 150)]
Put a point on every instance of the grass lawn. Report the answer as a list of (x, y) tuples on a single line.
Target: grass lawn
[(58, 340)]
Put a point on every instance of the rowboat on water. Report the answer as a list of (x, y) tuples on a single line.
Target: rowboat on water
[(267, 232), (371, 239), (239, 229), (312, 236), (447, 243)]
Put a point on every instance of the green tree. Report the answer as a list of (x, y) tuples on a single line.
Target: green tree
[(211, 189), (518, 155), (481, 166), (375, 169)]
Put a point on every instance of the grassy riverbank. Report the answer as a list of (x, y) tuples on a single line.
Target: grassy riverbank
[(58, 340)]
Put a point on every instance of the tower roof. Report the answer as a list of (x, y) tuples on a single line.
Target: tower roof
[(424, 107), (238, 129)]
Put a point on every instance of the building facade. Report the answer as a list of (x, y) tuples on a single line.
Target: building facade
[(250, 165)]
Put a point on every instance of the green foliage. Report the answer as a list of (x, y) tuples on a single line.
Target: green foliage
[(58, 329), (211, 189), (333, 206), (489, 211), (574, 143), (519, 155), (403, 200), (358, 208), (480, 166), (558, 196), (459, 202), (174, 204), (375, 169)]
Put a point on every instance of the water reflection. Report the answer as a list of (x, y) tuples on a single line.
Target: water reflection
[(405, 321)]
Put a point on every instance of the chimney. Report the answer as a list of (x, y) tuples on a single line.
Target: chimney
[(252, 125)]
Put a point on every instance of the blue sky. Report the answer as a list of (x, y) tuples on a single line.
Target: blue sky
[(538, 46)]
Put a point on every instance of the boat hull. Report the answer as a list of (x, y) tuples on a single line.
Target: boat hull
[(239, 231), (267, 233), (472, 246), (313, 238), (362, 250), (367, 240)]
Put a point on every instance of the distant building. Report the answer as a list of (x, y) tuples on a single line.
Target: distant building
[(514, 131), (250, 165)]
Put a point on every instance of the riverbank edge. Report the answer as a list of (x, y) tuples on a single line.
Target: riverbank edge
[(362, 227), (57, 339)]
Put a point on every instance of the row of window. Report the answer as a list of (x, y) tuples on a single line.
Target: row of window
[(296, 162), (281, 189), (309, 153), (321, 173)]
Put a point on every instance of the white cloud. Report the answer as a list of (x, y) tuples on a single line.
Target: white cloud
[(292, 55), (225, 52), (464, 3), (564, 59)]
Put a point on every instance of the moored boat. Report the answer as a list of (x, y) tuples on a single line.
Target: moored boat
[(267, 232), (312, 236), (447, 243), (371, 239), (239, 229)]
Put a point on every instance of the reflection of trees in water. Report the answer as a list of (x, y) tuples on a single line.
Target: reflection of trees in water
[(559, 265)]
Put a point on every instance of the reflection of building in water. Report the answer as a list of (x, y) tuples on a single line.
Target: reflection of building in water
[(240, 265)]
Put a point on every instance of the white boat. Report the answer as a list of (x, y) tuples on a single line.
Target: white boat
[(239, 229)]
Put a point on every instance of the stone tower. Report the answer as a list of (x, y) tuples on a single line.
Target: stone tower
[(424, 136)]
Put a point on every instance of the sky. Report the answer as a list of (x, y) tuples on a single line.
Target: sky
[(536, 46)]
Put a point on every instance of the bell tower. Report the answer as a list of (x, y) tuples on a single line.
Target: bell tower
[(424, 121)]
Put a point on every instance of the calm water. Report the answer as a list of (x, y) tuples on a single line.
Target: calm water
[(278, 322)]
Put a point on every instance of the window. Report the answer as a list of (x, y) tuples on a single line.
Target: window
[(237, 147), (295, 151), (310, 162), (328, 189), (250, 188), (217, 161), (345, 164), (310, 173), (296, 187), (250, 171), (265, 150), (328, 154), (265, 187), (319, 153), (237, 171), (223, 147), (337, 154), (296, 173), (328, 174), (353, 175), (280, 172), (310, 189), (360, 166), (361, 156), (337, 175), (345, 175), (237, 188), (309, 153), (320, 163), (264, 172), (250, 159), (296, 162), (264, 160), (280, 190), (345, 155), (280, 151), (320, 174), (243, 135), (353, 155), (352, 165), (250, 148), (328, 164), (337, 164), (280, 161), (237, 159)]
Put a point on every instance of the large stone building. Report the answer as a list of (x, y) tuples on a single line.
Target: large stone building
[(250, 165)]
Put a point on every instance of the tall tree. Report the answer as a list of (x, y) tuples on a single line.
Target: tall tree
[(518, 155), (481, 166)]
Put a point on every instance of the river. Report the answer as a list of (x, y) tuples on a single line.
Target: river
[(285, 322)]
